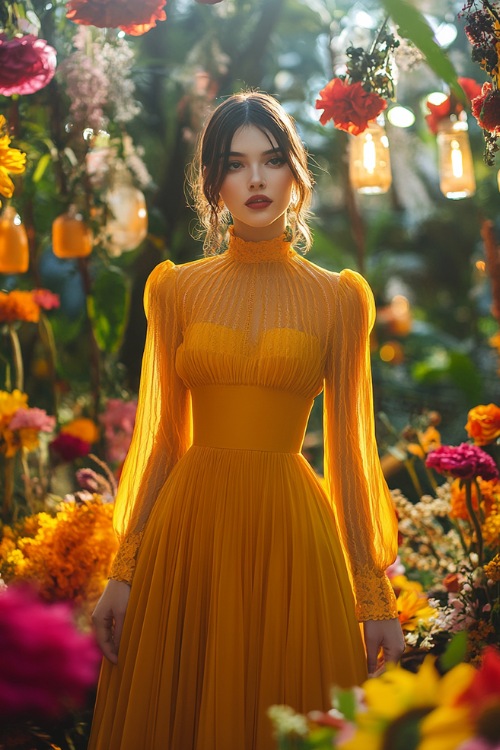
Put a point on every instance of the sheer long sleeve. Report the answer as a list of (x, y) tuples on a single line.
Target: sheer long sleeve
[(354, 479), (162, 431)]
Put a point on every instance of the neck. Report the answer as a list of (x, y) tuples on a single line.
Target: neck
[(259, 234)]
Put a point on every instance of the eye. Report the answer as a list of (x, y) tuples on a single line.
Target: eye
[(276, 161), (233, 166)]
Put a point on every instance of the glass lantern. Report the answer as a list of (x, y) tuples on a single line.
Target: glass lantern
[(127, 225), (369, 160), (456, 168), (14, 248)]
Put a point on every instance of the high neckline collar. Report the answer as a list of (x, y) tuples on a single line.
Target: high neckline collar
[(262, 251)]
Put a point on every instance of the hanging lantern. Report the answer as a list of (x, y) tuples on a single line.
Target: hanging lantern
[(14, 249), (369, 160), (127, 225), (71, 237), (456, 168)]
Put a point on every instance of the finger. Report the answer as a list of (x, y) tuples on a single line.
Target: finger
[(393, 652), (104, 635), (372, 650), (117, 630)]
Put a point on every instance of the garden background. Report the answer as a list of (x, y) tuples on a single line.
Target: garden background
[(106, 110)]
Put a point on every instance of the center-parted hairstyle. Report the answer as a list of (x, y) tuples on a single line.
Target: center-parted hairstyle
[(211, 161)]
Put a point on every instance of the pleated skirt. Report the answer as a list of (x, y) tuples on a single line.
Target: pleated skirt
[(240, 600)]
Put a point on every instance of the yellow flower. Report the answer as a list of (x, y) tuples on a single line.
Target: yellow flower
[(12, 161), (82, 428), (414, 609), (392, 698), (427, 442), (449, 725), (491, 531), (492, 569), (10, 402)]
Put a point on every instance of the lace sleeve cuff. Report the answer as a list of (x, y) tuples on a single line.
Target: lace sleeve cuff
[(123, 565), (375, 597)]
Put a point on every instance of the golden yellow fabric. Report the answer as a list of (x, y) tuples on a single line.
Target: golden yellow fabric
[(241, 596)]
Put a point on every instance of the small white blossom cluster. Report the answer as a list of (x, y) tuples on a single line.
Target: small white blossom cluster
[(287, 722)]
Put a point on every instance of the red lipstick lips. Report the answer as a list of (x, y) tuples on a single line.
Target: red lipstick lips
[(258, 202)]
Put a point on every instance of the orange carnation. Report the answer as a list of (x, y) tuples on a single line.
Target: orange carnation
[(18, 306), (132, 17), (483, 423), (82, 428), (349, 105)]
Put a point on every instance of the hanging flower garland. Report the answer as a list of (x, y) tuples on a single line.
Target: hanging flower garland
[(128, 15), (359, 95), (483, 32), (27, 64)]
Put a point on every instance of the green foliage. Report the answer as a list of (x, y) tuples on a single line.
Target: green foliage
[(108, 308), (455, 651)]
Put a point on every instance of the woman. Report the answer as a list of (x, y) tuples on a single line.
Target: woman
[(241, 566)]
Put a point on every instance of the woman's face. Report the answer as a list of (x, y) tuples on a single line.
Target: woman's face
[(258, 184)]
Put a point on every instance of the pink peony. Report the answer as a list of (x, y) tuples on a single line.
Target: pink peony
[(32, 419), (464, 461), (46, 299), (68, 447), (47, 664), (27, 64)]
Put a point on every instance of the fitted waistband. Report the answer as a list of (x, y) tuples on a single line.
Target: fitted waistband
[(249, 417)]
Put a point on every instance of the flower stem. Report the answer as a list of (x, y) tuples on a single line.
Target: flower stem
[(410, 468), (474, 519), (17, 357)]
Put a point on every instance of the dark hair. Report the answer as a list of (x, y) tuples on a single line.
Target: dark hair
[(209, 170)]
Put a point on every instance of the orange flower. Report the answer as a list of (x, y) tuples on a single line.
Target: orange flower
[(483, 423), (82, 428), (427, 442), (490, 498), (18, 306), (349, 105), (130, 16)]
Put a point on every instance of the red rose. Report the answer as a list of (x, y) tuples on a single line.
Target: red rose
[(27, 64), (486, 108), (130, 16), (349, 105)]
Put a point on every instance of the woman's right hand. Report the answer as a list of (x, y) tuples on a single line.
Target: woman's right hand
[(108, 618)]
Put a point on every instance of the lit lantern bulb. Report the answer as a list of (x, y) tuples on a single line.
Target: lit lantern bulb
[(457, 162), (369, 156)]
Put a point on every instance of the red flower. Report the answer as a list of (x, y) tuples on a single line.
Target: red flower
[(451, 105), (47, 664), (485, 686), (486, 108), (68, 447), (349, 105), (131, 16), (46, 299), (27, 64), (462, 461)]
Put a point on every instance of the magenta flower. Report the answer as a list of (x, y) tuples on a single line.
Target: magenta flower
[(27, 64), (47, 664), (46, 299), (32, 419), (68, 447), (464, 461)]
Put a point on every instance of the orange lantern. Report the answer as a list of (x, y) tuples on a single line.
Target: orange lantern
[(14, 249), (71, 237), (127, 225)]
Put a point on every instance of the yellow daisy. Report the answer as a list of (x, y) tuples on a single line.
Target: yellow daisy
[(12, 161)]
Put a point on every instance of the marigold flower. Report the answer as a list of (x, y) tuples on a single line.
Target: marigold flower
[(483, 423), (349, 105), (490, 496), (18, 306), (491, 531), (82, 428), (48, 666), (128, 15), (12, 161), (492, 569), (462, 461), (27, 64)]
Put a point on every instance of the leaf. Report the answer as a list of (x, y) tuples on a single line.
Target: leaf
[(345, 702), (108, 307), (42, 165), (455, 651), (413, 26)]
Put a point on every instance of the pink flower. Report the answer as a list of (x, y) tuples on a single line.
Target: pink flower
[(118, 421), (47, 664), (396, 569), (68, 447), (27, 64), (32, 419), (46, 299), (464, 461)]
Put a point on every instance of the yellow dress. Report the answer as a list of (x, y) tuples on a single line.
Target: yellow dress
[(241, 596)]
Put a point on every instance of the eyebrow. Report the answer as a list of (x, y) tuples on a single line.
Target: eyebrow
[(276, 150)]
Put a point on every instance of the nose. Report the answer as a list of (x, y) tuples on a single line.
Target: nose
[(256, 177)]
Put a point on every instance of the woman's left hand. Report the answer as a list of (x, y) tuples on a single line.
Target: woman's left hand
[(385, 635)]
